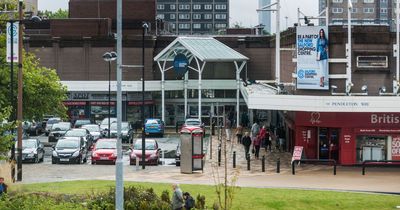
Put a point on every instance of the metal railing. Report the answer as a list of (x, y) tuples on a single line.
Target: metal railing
[(379, 163)]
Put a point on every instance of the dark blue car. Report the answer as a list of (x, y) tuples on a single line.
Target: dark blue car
[(154, 126)]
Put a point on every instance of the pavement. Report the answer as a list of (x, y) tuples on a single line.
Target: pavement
[(308, 176)]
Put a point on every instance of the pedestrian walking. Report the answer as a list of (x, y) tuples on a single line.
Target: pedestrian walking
[(177, 198), (257, 145), (281, 138), (239, 134), (189, 201), (3, 186), (262, 134), (246, 141), (268, 140), (255, 129), (228, 125)]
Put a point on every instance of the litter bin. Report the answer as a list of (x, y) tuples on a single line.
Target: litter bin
[(192, 155)]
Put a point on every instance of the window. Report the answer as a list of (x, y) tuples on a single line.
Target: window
[(197, 26), (354, 1), (172, 16), (196, 6), (161, 16), (184, 7), (220, 6), (337, 21), (220, 16), (337, 10), (184, 16), (368, 10), (173, 25), (208, 26), (337, 1), (220, 25), (383, 10), (383, 1), (354, 10), (172, 7), (372, 61), (184, 26), (208, 7), (196, 16), (160, 7), (369, 1), (207, 16)]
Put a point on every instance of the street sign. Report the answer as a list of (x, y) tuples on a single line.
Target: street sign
[(12, 41), (181, 64), (297, 152)]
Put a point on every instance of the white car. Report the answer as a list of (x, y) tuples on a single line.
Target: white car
[(104, 125)]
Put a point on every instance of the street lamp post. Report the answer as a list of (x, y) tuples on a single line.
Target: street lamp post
[(144, 27), (20, 89), (109, 57)]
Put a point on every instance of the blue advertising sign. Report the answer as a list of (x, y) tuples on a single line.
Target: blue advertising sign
[(312, 57), (181, 64)]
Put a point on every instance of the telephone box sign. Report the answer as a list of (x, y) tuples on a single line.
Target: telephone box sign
[(312, 57), (396, 148), (12, 41), (297, 152)]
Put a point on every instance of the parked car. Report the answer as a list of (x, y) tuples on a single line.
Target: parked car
[(104, 125), (81, 133), (50, 123), (154, 126), (194, 122), (178, 155), (58, 130), (104, 151), (70, 150), (126, 131), (44, 121), (152, 152), (32, 151), (94, 130), (78, 123)]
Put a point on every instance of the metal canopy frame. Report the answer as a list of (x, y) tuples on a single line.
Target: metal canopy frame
[(199, 51)]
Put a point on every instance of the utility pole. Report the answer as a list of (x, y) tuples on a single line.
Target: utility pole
[(20, 89)]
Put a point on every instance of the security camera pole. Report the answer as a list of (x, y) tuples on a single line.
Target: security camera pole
[(144, 27)]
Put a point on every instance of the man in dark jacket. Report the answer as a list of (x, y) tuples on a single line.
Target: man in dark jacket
[(246, 141), (3, 186)]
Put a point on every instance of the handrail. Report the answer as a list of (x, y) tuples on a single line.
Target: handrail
[(378, 163), (314, 160)]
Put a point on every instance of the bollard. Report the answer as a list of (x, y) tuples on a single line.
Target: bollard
[(163, 159), (263, 163), (137, 164), (248, 162), (363, 169), (219, 155), (234, 159), (334, 169), (278, 166)]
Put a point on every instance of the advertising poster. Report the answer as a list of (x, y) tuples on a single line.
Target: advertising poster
[(395, 147), (297, 153), (312, 57), (12, 41)]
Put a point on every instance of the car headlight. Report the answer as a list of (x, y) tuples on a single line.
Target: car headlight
[(94, 154), (133, 154), (55, 154), (31, 154), (153, 155), (76, 154), (114, 154)]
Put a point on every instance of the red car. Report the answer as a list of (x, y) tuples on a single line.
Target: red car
[(152, 152), (104, 151)]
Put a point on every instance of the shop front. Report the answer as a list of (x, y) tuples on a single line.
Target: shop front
[(349, 138)]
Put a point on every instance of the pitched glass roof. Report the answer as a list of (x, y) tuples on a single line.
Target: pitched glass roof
[(207, 49)]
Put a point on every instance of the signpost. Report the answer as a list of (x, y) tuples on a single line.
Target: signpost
[(181, 64), (12, 41), (297, 152)]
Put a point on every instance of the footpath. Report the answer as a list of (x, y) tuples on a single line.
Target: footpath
[(308, 176)]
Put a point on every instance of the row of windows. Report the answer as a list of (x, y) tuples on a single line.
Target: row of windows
[(195, 6), (222, 16), (355, 1), (355, 10), (199, 25)]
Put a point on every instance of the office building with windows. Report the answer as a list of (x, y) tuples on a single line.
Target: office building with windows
[(364, 12), (194, 16)]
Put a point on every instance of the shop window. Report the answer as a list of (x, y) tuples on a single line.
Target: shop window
[(371, 148)]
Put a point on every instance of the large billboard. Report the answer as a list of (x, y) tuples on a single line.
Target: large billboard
[(12, 41), (312, 57)]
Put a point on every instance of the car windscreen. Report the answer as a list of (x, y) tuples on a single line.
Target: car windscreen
[(149, 146), (67, 144), (152, 122), (80, 122), (60, 126), (124, 126), (192, 122), (106, 145), (92, 128), (29, 144), (52, 121), (105, 121), (75, 133)]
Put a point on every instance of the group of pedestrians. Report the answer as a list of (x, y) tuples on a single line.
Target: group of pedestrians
[(181, 200)]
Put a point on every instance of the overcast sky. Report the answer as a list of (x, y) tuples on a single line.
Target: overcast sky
[(241, 11)]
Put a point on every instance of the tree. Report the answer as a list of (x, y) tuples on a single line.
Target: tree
[(42, 91), (6, 139), (59, 14)]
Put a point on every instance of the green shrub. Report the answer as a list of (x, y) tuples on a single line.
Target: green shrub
[(39, 202), (200, 202)]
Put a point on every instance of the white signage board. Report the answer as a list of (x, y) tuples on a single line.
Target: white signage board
[(12, 41), (312, 57)]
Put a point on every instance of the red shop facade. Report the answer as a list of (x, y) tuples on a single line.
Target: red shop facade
[(349, 138)]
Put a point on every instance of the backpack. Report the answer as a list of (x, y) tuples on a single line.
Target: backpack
[(189, 202)]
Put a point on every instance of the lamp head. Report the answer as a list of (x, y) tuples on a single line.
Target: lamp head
[(145, 25), (364, 88), (382, 90), (109, 56)]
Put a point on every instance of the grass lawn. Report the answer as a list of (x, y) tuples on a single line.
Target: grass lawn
[(246, 198)]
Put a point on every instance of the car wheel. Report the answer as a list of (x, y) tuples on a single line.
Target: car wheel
[(42, 159), (178, 163), (85, 160), (93, 162), (36, 159), (53, 161)]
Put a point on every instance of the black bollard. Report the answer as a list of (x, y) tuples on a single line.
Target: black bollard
[(363, 169), (278, 166), (234, 159), (334, 169), (263, 163), (219, 155), (293, 168), (248, 162)]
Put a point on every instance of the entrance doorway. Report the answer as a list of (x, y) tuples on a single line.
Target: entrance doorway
[(328, 141)]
